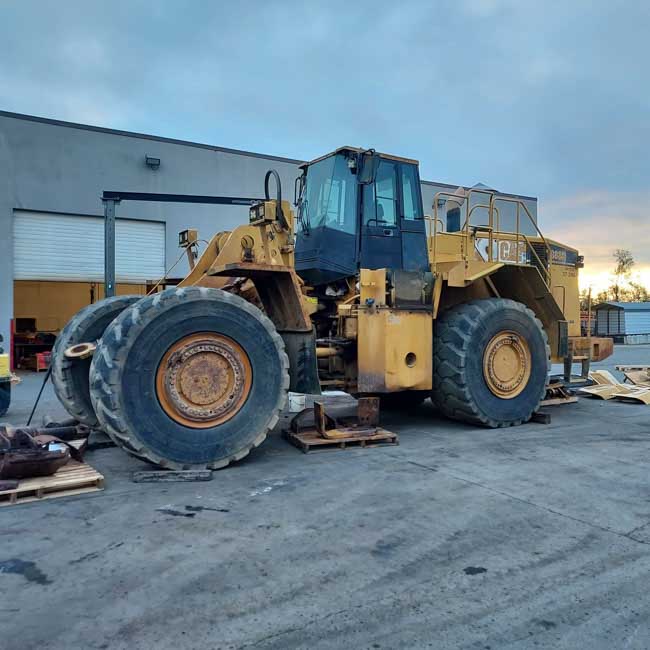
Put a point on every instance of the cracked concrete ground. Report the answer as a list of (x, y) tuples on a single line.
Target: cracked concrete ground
[(537, 536)]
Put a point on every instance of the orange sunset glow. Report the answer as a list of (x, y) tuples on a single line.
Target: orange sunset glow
[(597, 223)]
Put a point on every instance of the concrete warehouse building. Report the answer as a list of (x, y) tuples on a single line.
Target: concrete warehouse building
[(52, 174)]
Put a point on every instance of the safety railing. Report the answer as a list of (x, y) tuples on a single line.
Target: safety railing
[(493, 228)]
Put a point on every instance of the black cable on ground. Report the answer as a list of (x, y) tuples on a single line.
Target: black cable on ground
[(40, 392)]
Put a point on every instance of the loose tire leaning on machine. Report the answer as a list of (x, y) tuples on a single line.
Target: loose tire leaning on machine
[(70, 376), (190, 378), (491, 363)]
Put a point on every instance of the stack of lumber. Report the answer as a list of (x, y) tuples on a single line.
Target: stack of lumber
[(634, 388)]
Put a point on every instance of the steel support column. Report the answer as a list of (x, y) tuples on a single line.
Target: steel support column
[(109, 247)]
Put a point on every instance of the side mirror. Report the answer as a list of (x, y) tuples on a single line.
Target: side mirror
[(369, 165), (297, 187)]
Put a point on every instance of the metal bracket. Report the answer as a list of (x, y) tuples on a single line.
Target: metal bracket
[(80, 351), (364, 423)]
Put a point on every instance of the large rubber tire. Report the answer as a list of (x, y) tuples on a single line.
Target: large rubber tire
[(124, 367), (460, 390), (70, 376), (5, 397)]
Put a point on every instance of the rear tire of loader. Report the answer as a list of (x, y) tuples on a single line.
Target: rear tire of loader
[(491, 363), (70, 376), (190, 378)]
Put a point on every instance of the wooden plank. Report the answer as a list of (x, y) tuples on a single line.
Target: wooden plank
[(603, 377), (641, 396), (637, 377), (71, 479), (618, 391), (624, 368), (172, 476), (602, 391), (18, 499)]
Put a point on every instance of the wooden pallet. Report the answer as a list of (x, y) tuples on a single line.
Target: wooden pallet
[(73, 478), (309, 440)]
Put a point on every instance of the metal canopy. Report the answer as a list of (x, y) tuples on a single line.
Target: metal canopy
[(111, 198)]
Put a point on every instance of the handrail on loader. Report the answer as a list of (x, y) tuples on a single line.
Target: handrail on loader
[(490, 228)]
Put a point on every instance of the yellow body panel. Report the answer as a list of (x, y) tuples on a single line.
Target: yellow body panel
[(394, 350), (373, 286), (4, 366), (564, 286)]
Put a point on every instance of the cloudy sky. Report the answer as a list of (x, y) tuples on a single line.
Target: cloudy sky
[(544, 98)]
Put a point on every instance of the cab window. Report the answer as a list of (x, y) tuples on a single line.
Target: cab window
[(380, 198), (410, 193), (330, 195)]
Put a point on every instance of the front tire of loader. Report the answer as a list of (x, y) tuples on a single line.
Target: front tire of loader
[(190, 378), (491, 363), (70, 376)]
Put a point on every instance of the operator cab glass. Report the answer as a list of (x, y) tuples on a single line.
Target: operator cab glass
[(330, 197), (326, 242), (359, 210)]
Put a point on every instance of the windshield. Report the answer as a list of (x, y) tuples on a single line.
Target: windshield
[(329, 197)]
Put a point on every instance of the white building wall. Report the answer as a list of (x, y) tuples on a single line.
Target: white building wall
[(637, 322)]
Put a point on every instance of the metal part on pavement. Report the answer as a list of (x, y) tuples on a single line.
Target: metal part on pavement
[(364, 423)]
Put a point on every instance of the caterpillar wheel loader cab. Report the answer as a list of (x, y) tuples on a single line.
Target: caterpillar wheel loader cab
[(365, 294), (359, 210)]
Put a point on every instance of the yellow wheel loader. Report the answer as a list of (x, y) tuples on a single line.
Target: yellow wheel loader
[(359, 291)]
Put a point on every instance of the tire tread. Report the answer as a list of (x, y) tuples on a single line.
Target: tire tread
[(451, 347), (65, 388), (106, 372)]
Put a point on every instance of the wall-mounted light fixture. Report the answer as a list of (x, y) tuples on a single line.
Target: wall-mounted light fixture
[(152, 163)]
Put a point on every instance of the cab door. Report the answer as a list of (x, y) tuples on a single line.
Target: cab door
[(413, 233), (381, 241)]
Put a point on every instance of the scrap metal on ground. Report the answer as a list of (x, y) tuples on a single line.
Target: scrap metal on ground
[(44, 462), (38, 451), (634, 388), (315, 427)]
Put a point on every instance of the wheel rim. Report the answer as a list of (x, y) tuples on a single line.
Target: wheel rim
[(507, 364), (203, 380)]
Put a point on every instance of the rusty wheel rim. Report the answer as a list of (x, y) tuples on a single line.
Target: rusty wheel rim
[(203, 380), (507, 364)]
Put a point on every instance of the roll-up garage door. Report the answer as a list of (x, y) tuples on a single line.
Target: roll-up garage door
[(67, 247)]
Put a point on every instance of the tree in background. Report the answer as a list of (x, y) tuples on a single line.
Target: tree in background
[(602, 296), (622, 288), (635, 292), (622, 270)]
